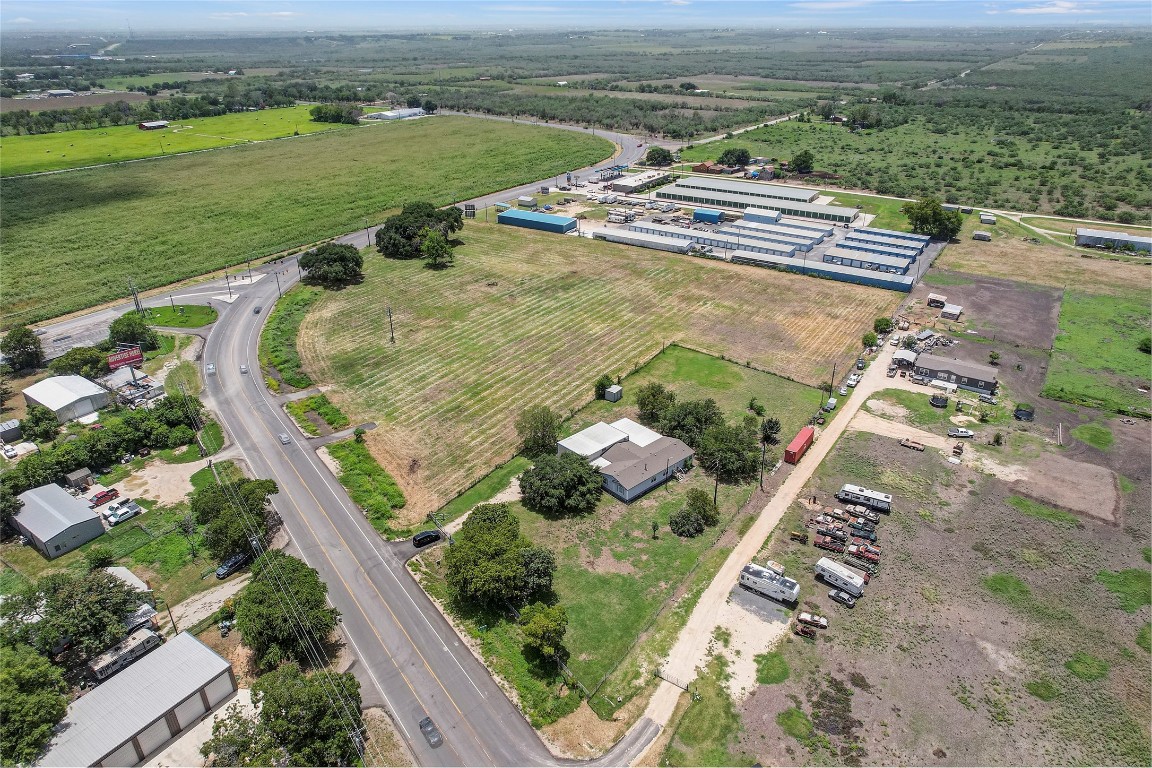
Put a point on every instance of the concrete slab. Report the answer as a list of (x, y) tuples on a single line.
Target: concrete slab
[(185, 749)]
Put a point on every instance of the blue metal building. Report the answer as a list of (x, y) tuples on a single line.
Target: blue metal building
[(545, 222)]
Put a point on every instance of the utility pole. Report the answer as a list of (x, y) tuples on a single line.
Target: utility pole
[(249, 269), (172, 302), (763, 453), (367, 231), (278, 292), (227, 283), (391, 329)]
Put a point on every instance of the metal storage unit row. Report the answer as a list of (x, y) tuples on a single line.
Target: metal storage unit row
[(870, 261), (909, 254), (731, 200), (762, 215), (533, 220), (891, 242), (924, 239), (799, 244), (644, 240), (707, 238), (811, 235), (750, 188), (830, 271)]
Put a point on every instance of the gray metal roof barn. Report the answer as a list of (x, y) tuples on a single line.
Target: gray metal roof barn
[(55, 521), (132, 715)]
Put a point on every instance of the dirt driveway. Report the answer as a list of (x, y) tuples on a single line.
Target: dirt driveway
[(161, 482)]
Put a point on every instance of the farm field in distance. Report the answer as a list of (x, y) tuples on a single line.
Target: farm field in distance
[(98, 146), (248, 202), (529, 318)]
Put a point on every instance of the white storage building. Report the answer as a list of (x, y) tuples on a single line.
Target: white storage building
[(56, 522), (69, 397), (132, 715)]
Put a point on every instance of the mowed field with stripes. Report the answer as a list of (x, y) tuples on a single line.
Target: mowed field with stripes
[(528, 318)]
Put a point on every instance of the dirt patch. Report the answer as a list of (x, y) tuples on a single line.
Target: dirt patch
[(1006, 311), (749, 635), (583, 734), (384, 747), (606, 562), (234, 651), (890, 410), (201, 606), (1085, 489), (161, 482)]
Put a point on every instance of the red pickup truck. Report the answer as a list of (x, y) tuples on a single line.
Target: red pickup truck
[(102, 498)]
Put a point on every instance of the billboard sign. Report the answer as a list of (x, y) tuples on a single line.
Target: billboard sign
[(123, 357), (469, 210)]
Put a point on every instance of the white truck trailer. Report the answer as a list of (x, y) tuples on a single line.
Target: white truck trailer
[(769, 583), (840, 576)]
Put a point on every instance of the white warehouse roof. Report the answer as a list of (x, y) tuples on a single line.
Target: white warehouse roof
[(595, 439), (118, 709), (59, 392), (638, 434)]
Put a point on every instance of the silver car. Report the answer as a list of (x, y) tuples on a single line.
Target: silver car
[(210, 369), (284, 439), (243, 369)]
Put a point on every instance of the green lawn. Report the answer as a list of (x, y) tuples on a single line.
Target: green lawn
[(1095, 361), (97, 146), (248, 202), (706, 734), (278, 351), (181, 316), (321, 407), (1095, 435), (921, 413), (371, 488)]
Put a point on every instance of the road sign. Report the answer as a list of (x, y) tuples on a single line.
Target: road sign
[(123, 357), (469, 210)]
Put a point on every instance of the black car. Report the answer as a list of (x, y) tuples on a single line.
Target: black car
[(424, 538), (1024, 413), (430, 731), (938, 401), (231, 565)]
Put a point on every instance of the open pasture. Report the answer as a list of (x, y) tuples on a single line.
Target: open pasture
[(529, 318), (97, 146), (170, 219)]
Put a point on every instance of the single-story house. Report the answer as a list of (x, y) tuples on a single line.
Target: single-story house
[(56, 522), (152, 125), (69, 397), (951, 311), (81, 478), (925, 334), (974, 377), (132, 715), (631, 458), (145, 614), (1117, 240)]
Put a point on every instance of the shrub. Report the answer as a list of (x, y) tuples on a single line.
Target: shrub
[(686, 523)]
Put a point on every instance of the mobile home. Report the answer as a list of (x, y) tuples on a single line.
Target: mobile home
[(858, 495), (840, 576)]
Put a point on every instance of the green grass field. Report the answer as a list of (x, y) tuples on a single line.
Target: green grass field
[(97, 146), (527, 317), (1095, 361), (321, 407), (181, 316), (372, 488), (171, 219)]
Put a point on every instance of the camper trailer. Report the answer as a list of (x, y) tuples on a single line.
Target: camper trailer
[(840, 576), (124, 653), (769, 583)]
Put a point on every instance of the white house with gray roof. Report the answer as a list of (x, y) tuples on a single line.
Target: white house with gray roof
[(632, 459), (55, 522)]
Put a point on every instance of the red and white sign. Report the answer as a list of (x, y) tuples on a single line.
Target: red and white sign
[(125, 357)]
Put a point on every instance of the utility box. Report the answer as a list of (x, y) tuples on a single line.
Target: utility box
[(614, 393)]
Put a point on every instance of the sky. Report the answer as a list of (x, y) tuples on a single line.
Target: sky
[(404, 15)]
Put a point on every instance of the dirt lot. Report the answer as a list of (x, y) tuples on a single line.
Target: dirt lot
[(1005, 311), (931, 667)]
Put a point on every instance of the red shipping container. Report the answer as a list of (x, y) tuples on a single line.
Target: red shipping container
[(799, 445)]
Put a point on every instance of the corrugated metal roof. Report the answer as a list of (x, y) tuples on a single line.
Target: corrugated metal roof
[(50, 510), (593, 439), (638, 434), (754, 188), (513, 213), (977, 371), (894, 233), (642, 239), (888, 260), (115, 711), (58, 392), (1119, 237), (737, 200)]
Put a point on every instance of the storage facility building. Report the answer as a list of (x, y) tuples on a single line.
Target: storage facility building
[(847, 274), (923, 239), (811, 235), (639, 182), (750, 188), (885, 250), (644, 240), (727, 242), (56, 522), (897, 265), (69, 397), (1119, 240), (394, 114), (892, 242), (132, 715), (974, 377), (799, 243), (546, 222), (761, 215), (725, 199)]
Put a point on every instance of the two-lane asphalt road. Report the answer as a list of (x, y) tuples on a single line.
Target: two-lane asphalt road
[(406, 647)]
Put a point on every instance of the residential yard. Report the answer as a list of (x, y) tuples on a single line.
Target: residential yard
[(969, 646), (270, 197), (530, 318), (626, 593), (1096, 361)]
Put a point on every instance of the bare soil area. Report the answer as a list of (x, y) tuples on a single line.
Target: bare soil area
[(162, 482), (1086, 489), (1006, 311)]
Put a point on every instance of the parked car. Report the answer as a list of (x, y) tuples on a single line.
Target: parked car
[(859, 363), (210, 369), (960, 432), (843, 391), (9, 452), (842, 597), (812, 620), (243, 369), (989, 400), (231, 565), (1024, 412), (424, 538), (126, 512), (114, 508), (938, 401), (431, 732), (103, 498)]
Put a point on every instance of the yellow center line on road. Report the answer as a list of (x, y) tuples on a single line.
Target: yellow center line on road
[(252, 403)]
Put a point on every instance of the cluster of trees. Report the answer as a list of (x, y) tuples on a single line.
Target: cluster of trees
[(22, 349), (170, 423), (23, 121), (659, 156), (421, 231), (232, 514), (560, 485), (278, 627), (349, 114), (294, 722), (332, 265), (71, 616), (928, 217), (698, 514)]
